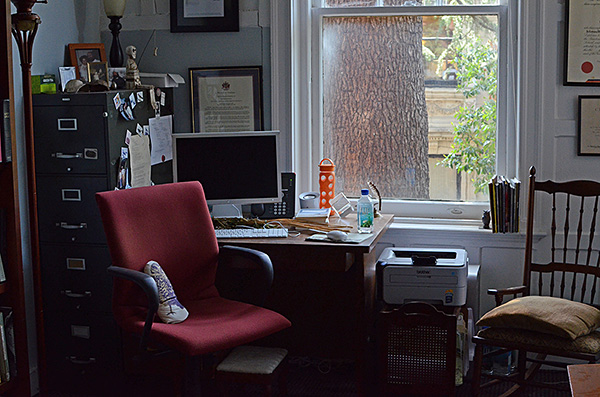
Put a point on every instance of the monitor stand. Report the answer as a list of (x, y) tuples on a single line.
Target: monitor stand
[(226, 211)]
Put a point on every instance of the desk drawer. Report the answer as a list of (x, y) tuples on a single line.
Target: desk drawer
[(70, 139), (67, 209), (75, 278)]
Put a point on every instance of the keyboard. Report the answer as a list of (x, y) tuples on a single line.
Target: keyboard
[(251, 233)]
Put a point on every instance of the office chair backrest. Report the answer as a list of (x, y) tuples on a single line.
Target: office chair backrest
[(570, 269), (167, 223)]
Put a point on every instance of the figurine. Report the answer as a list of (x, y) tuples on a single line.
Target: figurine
[(132, 74)]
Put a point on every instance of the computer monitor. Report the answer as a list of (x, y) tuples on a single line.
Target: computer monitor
[(233, 167)]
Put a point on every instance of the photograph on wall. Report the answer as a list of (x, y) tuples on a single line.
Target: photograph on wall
[(205, 15), (582, 43), (83, 54), (226, 99), (589, 126)]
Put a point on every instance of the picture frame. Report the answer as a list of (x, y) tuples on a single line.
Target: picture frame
[(79, 54), (98, 71), (226, 99), (581, 47), (205, 16), (588, 131), (116, 78)]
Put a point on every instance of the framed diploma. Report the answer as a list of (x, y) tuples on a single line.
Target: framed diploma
[(226, 99), (205, 15), (589, 126), (582, 43)]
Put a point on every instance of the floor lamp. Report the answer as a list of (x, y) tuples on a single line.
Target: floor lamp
[(24, 26)]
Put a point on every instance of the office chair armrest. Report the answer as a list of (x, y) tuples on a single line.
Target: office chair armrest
[(148, 285), (500, 293), (244, 270)]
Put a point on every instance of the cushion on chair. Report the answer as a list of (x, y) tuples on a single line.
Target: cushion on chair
[(222, 323), (170, 311), (589, 344), (549, 315)]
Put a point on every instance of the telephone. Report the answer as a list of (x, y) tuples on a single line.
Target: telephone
[(286, 208)]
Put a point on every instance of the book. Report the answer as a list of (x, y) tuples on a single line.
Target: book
[(314, 215), (4, 368), (3, 247), (9, 331), (5, 133)]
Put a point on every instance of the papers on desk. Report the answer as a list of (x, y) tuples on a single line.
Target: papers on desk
[(314, 215), (353, 238)]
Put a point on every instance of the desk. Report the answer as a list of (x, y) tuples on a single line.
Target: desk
[(326, 290), (583, 380)]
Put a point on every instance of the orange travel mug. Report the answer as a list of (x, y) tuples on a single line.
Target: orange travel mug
[(326, 183)]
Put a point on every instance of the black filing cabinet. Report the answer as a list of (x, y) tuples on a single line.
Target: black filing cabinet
[(78, 140)]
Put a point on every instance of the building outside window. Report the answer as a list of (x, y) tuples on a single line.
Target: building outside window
[(410, 95)]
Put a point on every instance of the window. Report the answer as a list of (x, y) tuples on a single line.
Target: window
[(403, 96)]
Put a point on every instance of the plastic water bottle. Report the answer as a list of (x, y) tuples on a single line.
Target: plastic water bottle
[(364, 212)]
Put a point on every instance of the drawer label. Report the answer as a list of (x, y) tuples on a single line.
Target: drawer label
[(75, 263)]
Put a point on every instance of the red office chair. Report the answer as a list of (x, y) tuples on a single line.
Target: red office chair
[(171, 224)]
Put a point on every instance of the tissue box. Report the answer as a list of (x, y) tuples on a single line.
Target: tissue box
[(43, 84), (162, 80)]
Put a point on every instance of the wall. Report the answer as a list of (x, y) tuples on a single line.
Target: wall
[(66, 21)]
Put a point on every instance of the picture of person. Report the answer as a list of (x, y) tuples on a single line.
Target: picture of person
[(83, 68), (84, 58), (98, 72)]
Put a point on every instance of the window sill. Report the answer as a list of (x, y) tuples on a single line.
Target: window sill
[(451, 230)]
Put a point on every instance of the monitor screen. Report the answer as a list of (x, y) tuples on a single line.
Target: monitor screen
[(233, 167)]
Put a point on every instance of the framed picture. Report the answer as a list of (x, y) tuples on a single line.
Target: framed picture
[(226, 99), (82, 54), (205, 16), (116, 77), (582, 47), (98, 71), (589, 126)]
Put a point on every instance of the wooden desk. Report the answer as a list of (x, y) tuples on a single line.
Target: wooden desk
[(584, 380), (327, 291)]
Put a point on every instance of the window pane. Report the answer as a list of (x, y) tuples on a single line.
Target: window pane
[(372, 3), (410, 104)]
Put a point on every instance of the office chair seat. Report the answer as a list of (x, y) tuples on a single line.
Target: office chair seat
[(223, 324)]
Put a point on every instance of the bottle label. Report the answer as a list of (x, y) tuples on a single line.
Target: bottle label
[(365, 217)]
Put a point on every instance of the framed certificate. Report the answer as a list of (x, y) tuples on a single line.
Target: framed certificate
[(226, 99), (205, 15), (582, 43), (589, 126)]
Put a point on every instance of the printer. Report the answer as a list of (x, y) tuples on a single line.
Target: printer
[(437, 276)]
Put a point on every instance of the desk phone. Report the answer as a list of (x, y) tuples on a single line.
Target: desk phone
[(286, 208)]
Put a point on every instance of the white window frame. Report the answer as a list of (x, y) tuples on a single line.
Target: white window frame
[(306, 117)]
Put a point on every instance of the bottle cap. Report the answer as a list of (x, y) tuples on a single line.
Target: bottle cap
[(364, 192)]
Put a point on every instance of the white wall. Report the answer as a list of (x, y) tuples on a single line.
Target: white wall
[(63, 20)]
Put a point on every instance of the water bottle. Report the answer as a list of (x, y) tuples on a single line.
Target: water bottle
[(326, 182), (364, 212)]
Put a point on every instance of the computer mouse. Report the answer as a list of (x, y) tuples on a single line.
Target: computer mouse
[(337, 235)]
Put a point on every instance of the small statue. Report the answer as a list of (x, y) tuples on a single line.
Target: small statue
[(486, 219), (132, 74)]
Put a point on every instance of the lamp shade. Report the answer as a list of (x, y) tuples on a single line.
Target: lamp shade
[(114, 8)]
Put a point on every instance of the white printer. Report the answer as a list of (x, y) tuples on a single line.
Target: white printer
[(428, 274)]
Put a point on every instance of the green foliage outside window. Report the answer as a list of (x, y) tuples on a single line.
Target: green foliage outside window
[(475, 58)]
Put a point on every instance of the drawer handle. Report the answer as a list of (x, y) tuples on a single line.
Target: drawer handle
[(77, 361), (70, 294), (60, 155), (65, 225), (67, 124)]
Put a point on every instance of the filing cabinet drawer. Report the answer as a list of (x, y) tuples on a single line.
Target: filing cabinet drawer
[(81, 337), (83, 354), (70, 139), (67, 209), (75, 278)]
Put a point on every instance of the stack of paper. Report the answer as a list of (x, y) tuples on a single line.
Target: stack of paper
[(314, 215)]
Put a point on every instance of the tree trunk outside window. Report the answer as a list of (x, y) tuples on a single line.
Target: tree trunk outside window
[(375, 121)]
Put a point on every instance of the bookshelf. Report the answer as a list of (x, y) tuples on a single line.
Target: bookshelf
[(12, 291)]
